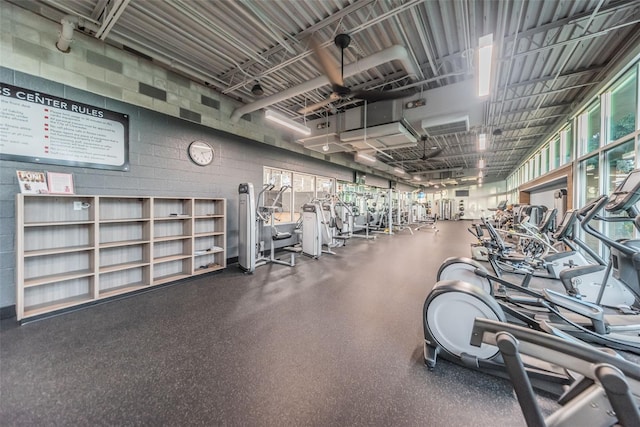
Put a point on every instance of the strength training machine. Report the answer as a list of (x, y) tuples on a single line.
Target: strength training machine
[(252, 218)]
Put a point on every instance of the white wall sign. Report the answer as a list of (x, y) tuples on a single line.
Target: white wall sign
[(40, 128)]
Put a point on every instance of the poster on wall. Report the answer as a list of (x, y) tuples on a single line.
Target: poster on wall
[(32, 182), (40, 128)]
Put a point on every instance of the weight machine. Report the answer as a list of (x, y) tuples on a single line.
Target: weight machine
[(252, 218)]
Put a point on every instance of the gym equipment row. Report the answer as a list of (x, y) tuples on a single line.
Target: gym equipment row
[(551, 328)]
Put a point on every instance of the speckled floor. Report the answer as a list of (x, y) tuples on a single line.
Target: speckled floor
[(332, 342)]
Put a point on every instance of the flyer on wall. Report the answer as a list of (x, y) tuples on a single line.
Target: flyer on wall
[(32, 182), (60, 183)]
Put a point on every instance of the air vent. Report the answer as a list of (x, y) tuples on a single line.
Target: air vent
[(445, 125)]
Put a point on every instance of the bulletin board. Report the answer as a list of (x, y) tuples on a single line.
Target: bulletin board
[(40, 128)]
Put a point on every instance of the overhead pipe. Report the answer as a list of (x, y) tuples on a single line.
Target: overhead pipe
[(66, 33), (393, 53)]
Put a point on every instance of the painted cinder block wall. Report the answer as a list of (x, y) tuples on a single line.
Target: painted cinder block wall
[(166, 112)]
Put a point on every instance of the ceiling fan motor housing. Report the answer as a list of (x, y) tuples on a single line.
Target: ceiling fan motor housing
[(342, 41)]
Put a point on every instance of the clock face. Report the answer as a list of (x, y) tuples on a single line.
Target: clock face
[(201, 153)]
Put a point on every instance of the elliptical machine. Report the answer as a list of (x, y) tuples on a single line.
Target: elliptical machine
[(452, 305), (252, 217)]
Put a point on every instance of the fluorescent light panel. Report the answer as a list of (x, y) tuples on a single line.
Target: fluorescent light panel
[(485, 51), (365, 157), (481, 164), (482, 141), (287, 122)]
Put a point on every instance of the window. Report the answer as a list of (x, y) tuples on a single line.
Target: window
[(324, 187), (281, 200), (566, 143), (593, 128), (589, 191), (591, 176), (303, 192), (624, 99), (619, 162), (555, 153), (301, 188), (544, 160)]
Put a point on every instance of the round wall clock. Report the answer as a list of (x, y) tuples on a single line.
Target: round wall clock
[(201, 153)]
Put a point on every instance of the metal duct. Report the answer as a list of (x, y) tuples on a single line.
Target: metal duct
[(393, 53), (66, 33)]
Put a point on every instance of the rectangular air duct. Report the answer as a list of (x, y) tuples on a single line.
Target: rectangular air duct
[(445, 125), (382, 137)]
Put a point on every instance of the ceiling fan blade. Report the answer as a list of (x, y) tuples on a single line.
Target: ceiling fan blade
[(313, 107), (373, 95), (329, 65), (431, 154)]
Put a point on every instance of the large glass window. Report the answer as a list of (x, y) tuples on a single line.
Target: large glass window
[(620, 161), (544, 160), (624, 100), (279, 198), (555, 153), (590, 181), (566, 139), (324, 187), (288, 205), (593, 128), (303, 192)]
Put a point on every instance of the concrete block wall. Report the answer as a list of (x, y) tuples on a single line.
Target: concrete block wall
[(160, 130)]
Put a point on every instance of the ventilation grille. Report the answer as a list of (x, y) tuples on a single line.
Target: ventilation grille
[(446, 126)]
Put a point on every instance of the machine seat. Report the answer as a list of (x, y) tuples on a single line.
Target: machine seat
[(280, 235)]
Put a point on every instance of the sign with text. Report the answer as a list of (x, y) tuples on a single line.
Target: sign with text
[(40, 128)]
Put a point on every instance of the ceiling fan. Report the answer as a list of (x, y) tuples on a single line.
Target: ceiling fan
[(426, 155), (336, 77)]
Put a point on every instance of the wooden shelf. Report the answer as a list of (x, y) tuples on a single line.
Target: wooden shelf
[(131, 228), (123, 266), (119, 290), (171, 258), (54, 278), (123, 243), (57, 223), (170, 238), (54, 306), (209, 269), (54, 251), (210, 233), (121, 220), (170, 278)]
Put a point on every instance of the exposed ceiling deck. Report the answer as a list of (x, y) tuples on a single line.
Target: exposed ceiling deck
[(547, 54)]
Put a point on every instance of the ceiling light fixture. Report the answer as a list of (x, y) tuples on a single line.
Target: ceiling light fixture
[(257, 90), (480, 174), (417, 178), (482, 142), (365, 157), (287, 122), (481, 164), (485, 51), (325, 147), (399, 170)]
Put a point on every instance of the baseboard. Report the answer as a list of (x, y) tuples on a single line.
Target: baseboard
[(7, 312)]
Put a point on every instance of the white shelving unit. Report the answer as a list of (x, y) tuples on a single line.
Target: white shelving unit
[(74, 249)]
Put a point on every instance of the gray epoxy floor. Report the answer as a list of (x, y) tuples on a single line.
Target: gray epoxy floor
[(332, 342)]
